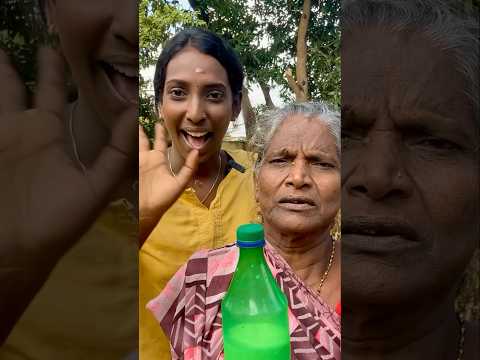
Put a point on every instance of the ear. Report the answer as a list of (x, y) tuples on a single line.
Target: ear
[(255, 180)]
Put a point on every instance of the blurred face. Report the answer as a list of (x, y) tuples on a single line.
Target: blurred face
[(100, 42), (197, 103), (298, 185), (410, 170)]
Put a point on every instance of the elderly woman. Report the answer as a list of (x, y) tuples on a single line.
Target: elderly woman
[(298, 192), (410, 200)]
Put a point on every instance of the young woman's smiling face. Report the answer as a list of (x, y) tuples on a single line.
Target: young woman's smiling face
[(100, 42), (197, 103)]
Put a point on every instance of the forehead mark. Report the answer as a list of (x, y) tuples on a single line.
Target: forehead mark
[(199, 70)]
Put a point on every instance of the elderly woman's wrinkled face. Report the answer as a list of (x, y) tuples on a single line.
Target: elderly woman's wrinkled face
[(410, 170), (298, 184)]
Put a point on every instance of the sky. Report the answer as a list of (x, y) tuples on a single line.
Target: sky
[(236, 129)]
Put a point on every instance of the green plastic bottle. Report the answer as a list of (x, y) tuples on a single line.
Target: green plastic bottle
[(254, 310)]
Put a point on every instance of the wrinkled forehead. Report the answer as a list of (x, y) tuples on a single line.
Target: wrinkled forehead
[(398, 71), (300, 133)]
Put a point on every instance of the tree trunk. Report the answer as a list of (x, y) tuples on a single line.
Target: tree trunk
[(248, 113), (266, 94), (300, 84)]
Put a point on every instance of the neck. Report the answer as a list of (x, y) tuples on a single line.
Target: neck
[(307, 254), (430, 331)]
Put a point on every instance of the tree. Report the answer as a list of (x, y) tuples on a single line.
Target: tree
[(264, 34), (300, 84)]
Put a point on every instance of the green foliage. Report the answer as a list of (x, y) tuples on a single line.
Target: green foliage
[(21, 30), (158, 19), (280, 19)]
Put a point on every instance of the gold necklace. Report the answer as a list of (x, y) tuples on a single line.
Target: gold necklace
[(461, 341), (216, 178), (73, 140), (329, 266)]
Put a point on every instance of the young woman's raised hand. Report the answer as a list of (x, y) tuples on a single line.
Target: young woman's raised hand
[(48, 201), (158, 187)]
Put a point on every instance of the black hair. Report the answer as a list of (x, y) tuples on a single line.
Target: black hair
[(207, 43), (41, 10)]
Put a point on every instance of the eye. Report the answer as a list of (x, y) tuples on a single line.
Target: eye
[(432, 143), (323, 164), (215, 95), (437, 143), (278, 161), (353, 137), (177, 93)]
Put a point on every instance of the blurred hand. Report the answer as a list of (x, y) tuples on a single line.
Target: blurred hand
[(158, 187), (48, 202)]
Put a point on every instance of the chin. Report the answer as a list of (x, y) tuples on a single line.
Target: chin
[(295, 225), (369, 281)]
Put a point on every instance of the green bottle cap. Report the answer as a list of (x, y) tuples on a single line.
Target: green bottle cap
[(250, 235)]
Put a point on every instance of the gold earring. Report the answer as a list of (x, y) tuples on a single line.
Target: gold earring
[(336, 229), (259, 216)]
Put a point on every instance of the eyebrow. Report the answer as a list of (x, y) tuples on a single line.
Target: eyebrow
[(364, 119), (186, 83), (417, 120), (288, 153), (429, 121)]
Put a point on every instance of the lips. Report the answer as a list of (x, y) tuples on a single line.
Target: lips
[(379, 227), (297, 203), (196, 138), (123, 77), (378, 234)]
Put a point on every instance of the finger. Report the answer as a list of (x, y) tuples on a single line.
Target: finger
[(143, 143), (189, 167), (118, 156), (51, 91), (160, 138), (12, 93)]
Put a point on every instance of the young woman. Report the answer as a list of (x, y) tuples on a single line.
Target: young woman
[(69, 259), (198, 83)]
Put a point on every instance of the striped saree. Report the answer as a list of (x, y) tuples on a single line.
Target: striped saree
[(188, 309)]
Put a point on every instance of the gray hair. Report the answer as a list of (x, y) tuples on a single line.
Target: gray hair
[(268, 124), (450, 28)]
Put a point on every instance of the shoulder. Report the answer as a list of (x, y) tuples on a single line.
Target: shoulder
[(244, 158), (211, 263)]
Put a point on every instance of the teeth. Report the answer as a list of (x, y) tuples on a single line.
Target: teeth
[(198, 135), (127, 71)]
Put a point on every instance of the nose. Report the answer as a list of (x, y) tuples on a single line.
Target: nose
[(125, 22), (195, 109), (377, 169), (299, 174)]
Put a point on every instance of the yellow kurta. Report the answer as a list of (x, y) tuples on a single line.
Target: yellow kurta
[(189, 226), (87, 309)]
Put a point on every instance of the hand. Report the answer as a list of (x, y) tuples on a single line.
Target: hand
[(48, 202), (158, 187)]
